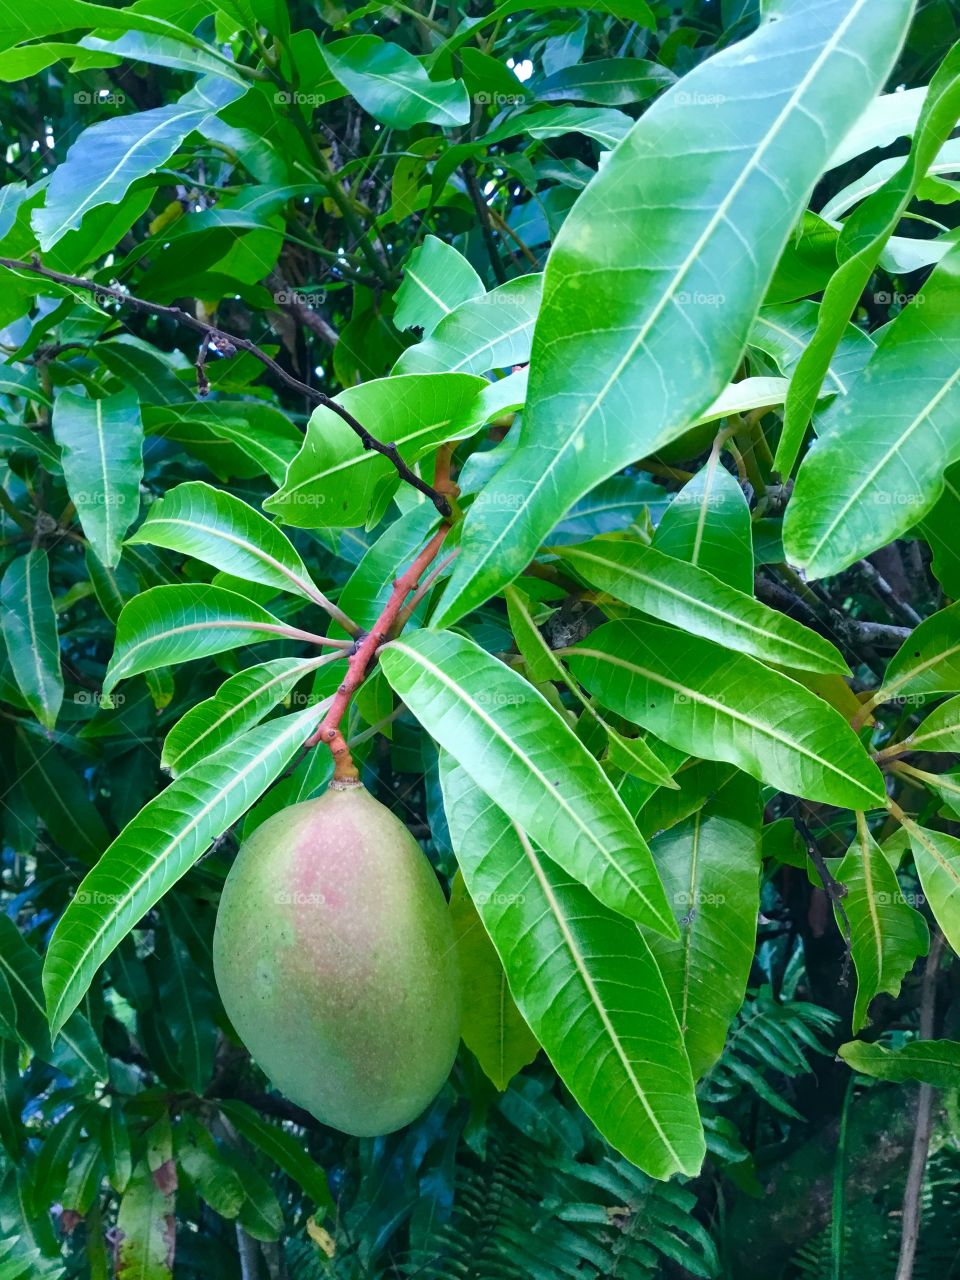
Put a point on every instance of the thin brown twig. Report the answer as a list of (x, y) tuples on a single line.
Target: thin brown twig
[(228, 344), (363, 655), (913, 1192)]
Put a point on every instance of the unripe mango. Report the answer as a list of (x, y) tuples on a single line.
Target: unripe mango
[(336, 961)]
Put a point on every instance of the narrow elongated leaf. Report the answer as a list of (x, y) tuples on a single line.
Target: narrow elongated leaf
[(227, 532), (492, 1026), (241, 702), (436, 279), (56, 792), (334, 482), (393, 86), (940, 731), (784, 331), (935, 1062), (861, 242), (886, 934), (877, 467), (928, 661), (726, 706), (146, 1228), (492, 331), (613, 82), (640, 331), (708, 524), (516, 747), (30, 631), (112, 154), (710, 867), (937, 859), (631, 754), (13, 438), (282, 1148), (176, 624), (215, 1180), (696, 601), (615, 1042), (101, 443), (154, 850), (115, 1141)]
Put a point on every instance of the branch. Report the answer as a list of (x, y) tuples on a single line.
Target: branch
[(363, 654), (228, 344), (913, 1192)]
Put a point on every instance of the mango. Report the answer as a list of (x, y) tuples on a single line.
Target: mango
[(336, 961)]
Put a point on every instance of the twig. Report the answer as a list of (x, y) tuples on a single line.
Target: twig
[(227, 344), (883, 589), (913, 1192), (362, 656), (832, 887), (483, 216)]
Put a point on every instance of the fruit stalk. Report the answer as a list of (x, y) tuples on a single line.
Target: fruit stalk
[(362, 656)]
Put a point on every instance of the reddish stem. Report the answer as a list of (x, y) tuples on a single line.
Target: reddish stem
[(363, 655)]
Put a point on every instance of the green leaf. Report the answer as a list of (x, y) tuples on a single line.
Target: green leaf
[(11, 1100), (612, 82), (241, 702), (928, 661), (112, 154), (886, 934), (56, 792), (491, 331), (215, 1180), (146, 1228), (282, 1148), (515, 746), (940, 731), (393, 86), (727, 706), (784, 331), (493, 1028), (710, 867), (641, 329), (935, 1062), (334, 482), (101, 443), (233, 437), (937, 859), (708, 524), (13, 438), (30, 631), (877, 467), (696, 601), (115, 1141), (633, 755), (615, 1043), (166, 625), (225, 531), (153, 851), (861, 242), (436, 279)]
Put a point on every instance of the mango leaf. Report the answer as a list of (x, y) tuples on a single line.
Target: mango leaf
[(282, 1148), (515, 746), (784, 331), (241, 702), (696, 601), (215, 1180), (225, 531), (612, 82), (233, 437), (101, 444), (436, 279), (633, 755), (166, 625), (708, 524), (493, 1028), (615, 1044), (334, 482), (55, 791), (727, 706), (112, 154), (886, 934), (30, 631), (491, 331), (14, 437), (115, 1141), (937, 859), (393, 86), (710, 867), (935, 1062), (861, 242), (940, 731), (620, 312), (153, 851), (928, 661), (146, 1228), (877, 467)]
